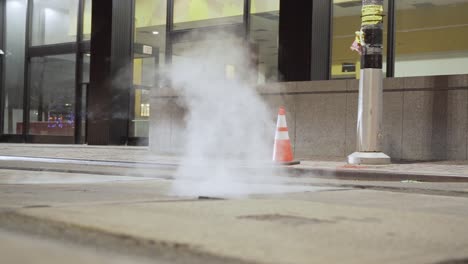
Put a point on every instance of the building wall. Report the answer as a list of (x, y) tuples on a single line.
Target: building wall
[(425, 118)]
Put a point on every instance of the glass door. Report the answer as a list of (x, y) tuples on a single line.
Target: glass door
[(43, 70), (52, 97)]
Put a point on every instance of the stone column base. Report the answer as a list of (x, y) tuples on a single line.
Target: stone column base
[(369, 158)]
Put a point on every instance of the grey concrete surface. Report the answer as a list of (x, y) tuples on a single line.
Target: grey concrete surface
[(320, 125), (161, 112), (351, 226), (23, 249), (393, 115), (294, 222)]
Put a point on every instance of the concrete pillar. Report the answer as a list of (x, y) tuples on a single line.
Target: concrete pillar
[(110, 72), (304, 31)]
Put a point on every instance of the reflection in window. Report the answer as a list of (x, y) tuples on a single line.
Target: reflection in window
[(52, 95), (203, 13), (431, 38), (87, 20), (226, 67), (54, 21), (14, 65), (84, 93), (145, 110), (264, 24), (86, 67), (346, 21), (149, 58)]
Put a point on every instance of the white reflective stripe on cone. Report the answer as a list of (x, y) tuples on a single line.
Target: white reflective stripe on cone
[(281, 121), (282, 135)]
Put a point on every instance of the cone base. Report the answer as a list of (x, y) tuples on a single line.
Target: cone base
[(287, 163)]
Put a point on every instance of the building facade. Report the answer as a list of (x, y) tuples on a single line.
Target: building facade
[(82, 71)]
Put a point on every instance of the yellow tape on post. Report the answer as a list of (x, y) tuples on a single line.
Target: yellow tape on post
[(372, 14), (372, 10), (371, 20)]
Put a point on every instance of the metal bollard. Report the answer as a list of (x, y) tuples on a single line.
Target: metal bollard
[(370, 105)]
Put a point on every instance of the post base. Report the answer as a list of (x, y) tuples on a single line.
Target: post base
[(369, 158)]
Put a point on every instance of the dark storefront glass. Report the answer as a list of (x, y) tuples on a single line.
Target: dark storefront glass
[(431, 38), (346, 21), (52, 99), (264, 23), (54, 21), (14, 65), (203, 13)]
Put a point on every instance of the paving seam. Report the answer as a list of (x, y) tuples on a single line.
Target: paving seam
[(78, 161), (88, 172), (411, 190), (136, 202), (295, 172), (375, 175), (123, 243)]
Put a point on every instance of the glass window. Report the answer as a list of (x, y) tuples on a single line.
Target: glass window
[(264, 24), (431, 37), (203, 13), (86, 67), (346, 21), (14, 65), (54, 21), (87, 20), (52, 100), (84, 93), (149, 58)]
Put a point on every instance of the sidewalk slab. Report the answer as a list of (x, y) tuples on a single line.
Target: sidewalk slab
[(20, 248), (277, 231)]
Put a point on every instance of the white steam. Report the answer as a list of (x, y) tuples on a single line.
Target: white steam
[(229, 129)]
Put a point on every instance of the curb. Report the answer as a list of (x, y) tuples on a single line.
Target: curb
[(372, 175), (130, 168)]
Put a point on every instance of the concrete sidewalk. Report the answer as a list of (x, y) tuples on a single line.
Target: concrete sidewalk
[(333, 168), (143, 218)]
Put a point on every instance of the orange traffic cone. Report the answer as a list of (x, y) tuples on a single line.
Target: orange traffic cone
[(282, 151)]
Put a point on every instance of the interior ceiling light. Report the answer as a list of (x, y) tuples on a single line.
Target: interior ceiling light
[(155, 32), (347, 3), (424, 5)]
